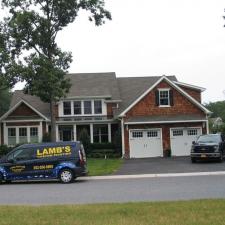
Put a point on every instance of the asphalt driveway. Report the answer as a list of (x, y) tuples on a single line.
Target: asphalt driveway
[(167, 165)]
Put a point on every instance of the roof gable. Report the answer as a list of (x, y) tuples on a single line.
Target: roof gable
[(171, 83), (22, 108)]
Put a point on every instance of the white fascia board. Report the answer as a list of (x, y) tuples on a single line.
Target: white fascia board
[(165, 122), (188, 96), (174, 86), (190, 86), (18, 104)]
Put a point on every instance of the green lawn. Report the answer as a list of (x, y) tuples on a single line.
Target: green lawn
[(97, 167), (202, 212)]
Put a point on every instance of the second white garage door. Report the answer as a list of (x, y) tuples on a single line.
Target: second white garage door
[(145, 143), (181, 140)]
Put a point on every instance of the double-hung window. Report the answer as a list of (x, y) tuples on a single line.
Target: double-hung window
[(67, 108), (77, 107), (98, 107), (164, 97), (87, 107), (11, 136), (33, 134), (23, 135)]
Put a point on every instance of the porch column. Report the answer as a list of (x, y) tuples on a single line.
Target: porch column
[(109, 133), (40, 136), (91, 133), (17, 135), (46, 124), (74, 132), (57, 132), (5, 132), (28, 134), (123, 141)]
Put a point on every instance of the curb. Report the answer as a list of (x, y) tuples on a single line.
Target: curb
[(114, 177)]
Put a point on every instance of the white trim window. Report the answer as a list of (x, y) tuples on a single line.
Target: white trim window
[(98, 107), (11, 136), (164, 97), (23, 135), (77, 107), (67, 108), (33, 134), (87, 107)]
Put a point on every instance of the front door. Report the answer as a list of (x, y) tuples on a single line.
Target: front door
[(66, 133)]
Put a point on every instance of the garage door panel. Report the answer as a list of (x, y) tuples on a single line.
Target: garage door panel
[(181, 140), (145, 143)]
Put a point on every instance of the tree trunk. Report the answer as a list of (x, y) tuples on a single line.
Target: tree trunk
[(53, 120)]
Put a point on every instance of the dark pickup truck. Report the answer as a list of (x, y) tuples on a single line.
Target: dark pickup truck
[(209, 146)]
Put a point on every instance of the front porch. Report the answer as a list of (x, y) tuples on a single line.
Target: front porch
[(98, 133)]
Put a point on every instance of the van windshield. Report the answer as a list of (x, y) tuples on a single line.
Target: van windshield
[(209, 139)]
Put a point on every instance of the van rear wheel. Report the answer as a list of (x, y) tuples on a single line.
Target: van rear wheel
[(66, 176)]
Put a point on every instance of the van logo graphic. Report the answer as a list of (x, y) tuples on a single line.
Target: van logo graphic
[(17, 169)]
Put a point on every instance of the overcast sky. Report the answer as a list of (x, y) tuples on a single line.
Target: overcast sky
[(185, 38)]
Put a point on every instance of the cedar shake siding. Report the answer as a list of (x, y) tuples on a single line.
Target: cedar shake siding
[(23, 111), (110, 109), (147, 106), (196, 94)]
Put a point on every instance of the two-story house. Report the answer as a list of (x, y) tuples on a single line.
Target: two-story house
[(153, 114)]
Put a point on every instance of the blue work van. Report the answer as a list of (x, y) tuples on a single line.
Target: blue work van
[(64, 161)]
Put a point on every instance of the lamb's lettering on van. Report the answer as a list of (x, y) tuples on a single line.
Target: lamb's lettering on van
[(54, 151)]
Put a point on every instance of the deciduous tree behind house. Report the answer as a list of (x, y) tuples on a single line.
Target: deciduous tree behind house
[(32, 28)]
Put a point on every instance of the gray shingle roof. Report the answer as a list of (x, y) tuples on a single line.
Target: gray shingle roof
[(127, 89), (165, 118), (132, 87), (34, 101), (94, 84)]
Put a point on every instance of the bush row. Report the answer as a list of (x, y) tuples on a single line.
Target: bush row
[(4, 149)]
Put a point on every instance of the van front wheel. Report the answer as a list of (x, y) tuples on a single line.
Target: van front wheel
[(66, 176)]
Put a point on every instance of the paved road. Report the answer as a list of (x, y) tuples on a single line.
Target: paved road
[(126, 190), (168, 165)]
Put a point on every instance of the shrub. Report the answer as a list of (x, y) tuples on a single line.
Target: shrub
[(117, 140), (4, 149), (46, 137), (99, 146), (85, 139)]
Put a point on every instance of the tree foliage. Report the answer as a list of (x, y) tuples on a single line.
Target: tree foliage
[(5, 97), (32, 28), (8, 66), (217, 108)]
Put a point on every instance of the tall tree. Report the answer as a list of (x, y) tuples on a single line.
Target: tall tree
[(8, 65), (5, 96), (32, 26)]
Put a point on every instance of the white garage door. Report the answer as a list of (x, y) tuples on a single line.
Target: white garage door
[(145, 143), (181, 140)]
